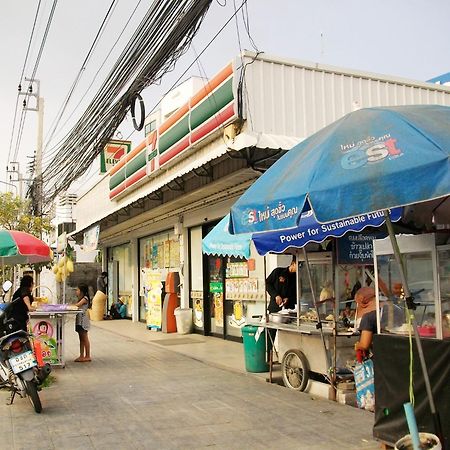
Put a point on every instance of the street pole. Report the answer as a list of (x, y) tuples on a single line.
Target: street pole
[(40, 139), (38, 193), (38, 160)]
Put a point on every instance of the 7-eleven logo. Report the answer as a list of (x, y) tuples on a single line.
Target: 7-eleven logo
[(113, 152)]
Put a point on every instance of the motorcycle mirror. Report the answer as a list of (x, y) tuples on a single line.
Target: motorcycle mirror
[(7, 285)]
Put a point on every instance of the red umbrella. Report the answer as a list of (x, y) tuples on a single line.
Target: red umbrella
[(17, 247)]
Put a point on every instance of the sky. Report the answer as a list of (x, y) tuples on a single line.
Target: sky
[(403, 38)]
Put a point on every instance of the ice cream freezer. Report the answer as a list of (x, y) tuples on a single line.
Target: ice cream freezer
[(48, 327)]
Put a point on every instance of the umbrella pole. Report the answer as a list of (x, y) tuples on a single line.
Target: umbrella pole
[(411, 307), (319, 323)]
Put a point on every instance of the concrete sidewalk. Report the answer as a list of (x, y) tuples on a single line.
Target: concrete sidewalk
[(214, 351), (138, 393)]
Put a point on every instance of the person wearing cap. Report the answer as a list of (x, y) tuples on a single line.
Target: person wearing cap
[(366, 310)]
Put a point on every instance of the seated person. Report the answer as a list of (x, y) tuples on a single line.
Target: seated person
[(118, 310)]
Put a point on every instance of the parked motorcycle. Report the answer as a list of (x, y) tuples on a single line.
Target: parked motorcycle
[(19, 371)]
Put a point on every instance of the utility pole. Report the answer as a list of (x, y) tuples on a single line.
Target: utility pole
[(40, 139)]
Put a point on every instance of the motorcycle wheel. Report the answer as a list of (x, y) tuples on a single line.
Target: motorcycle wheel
[(33, 395)]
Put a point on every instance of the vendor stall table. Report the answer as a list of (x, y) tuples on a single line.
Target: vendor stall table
[(48, 328)]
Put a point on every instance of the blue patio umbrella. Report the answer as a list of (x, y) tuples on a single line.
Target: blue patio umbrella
[(219, 241), (370, 159)]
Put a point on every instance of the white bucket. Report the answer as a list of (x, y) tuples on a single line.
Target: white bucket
[(405, 443), (183, 316)]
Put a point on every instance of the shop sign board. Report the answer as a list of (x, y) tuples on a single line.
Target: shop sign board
[(112, 153), (218, 309), (90, 238), (198, 310), (216, 287), (356, 248), (44, 330), (198, 120)]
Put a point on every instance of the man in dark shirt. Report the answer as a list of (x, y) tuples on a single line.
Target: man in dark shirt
[(281, 285)]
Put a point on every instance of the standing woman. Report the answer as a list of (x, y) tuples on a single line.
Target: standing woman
[(82, 323), (22, 300)]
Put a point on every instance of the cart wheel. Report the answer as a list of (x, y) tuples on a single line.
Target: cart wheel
[(294, 368)]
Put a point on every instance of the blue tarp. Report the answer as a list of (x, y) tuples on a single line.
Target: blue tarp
[(369, 160), (221, 242)]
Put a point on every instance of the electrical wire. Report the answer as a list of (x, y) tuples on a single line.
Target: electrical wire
[(30, 86), (55, 148), (166, 30), (246, 21), (48, 155), (177, 81), (21, 78), (30, 40), (82, 69), (162, 37)]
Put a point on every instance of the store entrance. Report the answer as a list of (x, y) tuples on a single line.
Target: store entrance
[(215, 296), (232, 296), (226, 292)]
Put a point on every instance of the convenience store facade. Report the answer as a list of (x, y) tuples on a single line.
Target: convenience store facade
[(159, 201)]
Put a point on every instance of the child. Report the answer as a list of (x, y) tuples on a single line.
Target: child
[(82, 323)]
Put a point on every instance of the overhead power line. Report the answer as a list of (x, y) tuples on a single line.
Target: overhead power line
[(53, 150), (82, 69), (32, 78), (19, 87), (197, 57), (162, 37)]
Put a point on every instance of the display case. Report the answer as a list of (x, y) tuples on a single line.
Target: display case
[(443, 255), (421, 259)]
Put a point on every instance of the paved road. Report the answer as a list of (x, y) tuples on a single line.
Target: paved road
[(137, 395)]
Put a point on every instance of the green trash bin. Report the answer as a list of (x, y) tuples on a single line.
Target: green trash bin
[(254, 349)]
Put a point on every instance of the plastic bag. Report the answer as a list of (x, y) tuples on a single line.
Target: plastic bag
[(365, 386)]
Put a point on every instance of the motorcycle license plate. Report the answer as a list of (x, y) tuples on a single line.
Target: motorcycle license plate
[(23, 362)]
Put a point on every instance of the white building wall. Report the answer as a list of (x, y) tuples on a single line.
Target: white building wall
[(93, 205), (292, 98)]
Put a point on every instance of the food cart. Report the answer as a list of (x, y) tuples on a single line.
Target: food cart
[(314, 340), (313, 344)]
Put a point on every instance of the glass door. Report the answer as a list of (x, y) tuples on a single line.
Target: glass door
[(216, 294)]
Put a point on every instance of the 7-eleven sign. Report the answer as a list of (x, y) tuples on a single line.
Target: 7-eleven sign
[(113, 153)]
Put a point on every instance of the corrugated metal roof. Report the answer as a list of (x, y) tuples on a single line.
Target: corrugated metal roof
[(285, 97)]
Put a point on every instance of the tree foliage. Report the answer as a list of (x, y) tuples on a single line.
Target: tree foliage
[(15, 214)]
